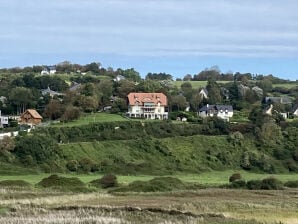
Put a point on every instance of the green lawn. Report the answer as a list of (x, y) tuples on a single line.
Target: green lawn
[(207, 178), (93, 118), (286, 85)]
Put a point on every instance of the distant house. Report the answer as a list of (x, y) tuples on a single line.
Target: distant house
[(3, 120), (282, 100), (48, 70), (295, 110), (31, 117), (204, 93), (52, 93), (74, 86), (119, 78), (222, 111), (147, 105)]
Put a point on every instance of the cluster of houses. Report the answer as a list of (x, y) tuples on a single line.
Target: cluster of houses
[(150, 106)]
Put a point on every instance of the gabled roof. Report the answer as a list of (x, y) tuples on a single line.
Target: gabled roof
[(33, 113), (295, 107), (282, 100), (142, 98), (208, 108)]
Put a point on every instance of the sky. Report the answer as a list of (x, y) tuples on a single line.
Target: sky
[(178, 37)]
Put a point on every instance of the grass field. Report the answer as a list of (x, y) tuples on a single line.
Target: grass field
[(207, 178), (286, 85), (212, 206), (92, 118)]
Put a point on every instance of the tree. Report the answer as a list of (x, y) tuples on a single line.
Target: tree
[(214, 95), (21, 97), (88, 103), (36, 149), (187, 77), (71, 113), (159, 76), (178, 102), (130, 74), (7, 144), (54, 109)]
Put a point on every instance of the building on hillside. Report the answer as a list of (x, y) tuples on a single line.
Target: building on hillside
[(282, 100), (204, 93), (48, 70), (295, 110), (221, 111), (75, 86), (3, 120), (147, 105), (30, 117), (50, 92)]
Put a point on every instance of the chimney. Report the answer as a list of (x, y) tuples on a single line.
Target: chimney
[(207, 105)]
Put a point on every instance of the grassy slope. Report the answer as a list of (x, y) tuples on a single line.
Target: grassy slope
[(195, 84), (193, 154)]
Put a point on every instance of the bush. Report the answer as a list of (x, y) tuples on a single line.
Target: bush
[(72, 165), (108, 180), (14, 183), (254, 184), (291, 184), (235, 176), (86, 164), (158, 184), (238, 184), (271, 183), (55, 181)]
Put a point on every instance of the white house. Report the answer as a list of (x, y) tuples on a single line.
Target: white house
[(147, 105), (48, 70), (222, 111), (295, 110), (3, 120), (204, 93)]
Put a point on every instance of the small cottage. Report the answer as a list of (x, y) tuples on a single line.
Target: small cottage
[(31, 117)]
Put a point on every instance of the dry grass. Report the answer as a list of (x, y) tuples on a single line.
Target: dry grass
[(200, 206)]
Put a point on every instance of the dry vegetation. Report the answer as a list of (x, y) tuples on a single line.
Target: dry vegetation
[(30, 205)]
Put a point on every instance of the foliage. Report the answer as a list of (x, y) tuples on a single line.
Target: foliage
[(64, 183), (291, 184), (7, 144), (234, 177), (71, 113), (238, 184), (36, 149), (158, 184), (254, 184), (14, 183), (108, 180), (271, 183)]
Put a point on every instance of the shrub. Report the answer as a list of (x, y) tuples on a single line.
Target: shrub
[(55, 181), (14, 183), (72, 165), (238, 184), (271, 183), (108, 180), (235, 176), (291, 184), (158, 184), (254, 184), (86, 164)]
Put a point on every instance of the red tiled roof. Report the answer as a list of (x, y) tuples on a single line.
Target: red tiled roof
[(142, 98)]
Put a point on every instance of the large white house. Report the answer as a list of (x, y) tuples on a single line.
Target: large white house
[(147, 105), (222, 111)]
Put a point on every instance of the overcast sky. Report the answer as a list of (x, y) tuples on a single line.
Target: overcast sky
[(172, 36)]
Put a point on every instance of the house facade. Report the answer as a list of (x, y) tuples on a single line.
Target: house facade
[(221, 111), (30, 117), (3, 120), (147, 106)]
